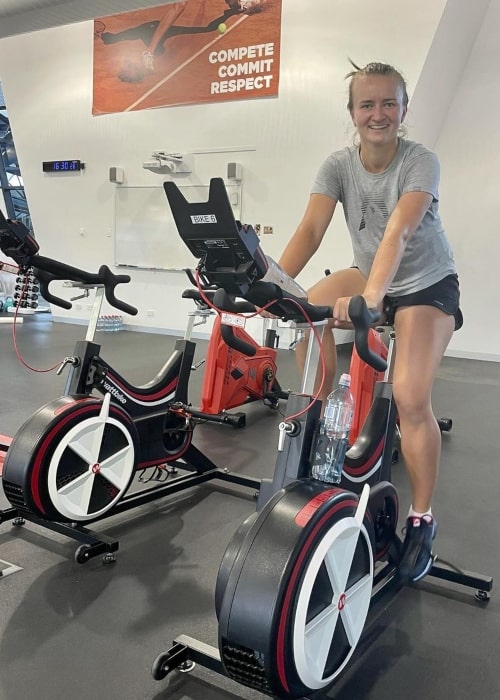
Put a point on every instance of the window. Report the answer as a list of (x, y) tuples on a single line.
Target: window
[(11, 181)]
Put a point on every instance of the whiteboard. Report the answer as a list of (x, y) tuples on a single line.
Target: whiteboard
[(145, 234)]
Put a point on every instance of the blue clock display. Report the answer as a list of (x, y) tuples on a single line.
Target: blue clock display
[(62, 166)]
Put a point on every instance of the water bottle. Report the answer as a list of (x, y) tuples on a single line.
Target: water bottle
[(277, 275), (334, 431)]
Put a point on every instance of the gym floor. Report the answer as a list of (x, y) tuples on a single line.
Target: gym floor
[(92, 631)]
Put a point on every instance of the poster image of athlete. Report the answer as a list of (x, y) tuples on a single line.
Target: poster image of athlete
[(140, 52)]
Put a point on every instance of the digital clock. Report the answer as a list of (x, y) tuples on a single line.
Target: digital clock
[(62, 166)]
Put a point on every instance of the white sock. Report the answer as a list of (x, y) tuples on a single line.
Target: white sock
[(415, 514)]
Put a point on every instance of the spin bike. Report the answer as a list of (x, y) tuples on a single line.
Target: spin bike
[(301, 577), (232, 378), (74, 460)]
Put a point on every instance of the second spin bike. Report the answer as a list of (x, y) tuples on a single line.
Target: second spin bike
[(73, 461), (232, 378)]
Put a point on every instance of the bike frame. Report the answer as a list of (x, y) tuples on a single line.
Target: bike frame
[(301, 575), (152, 422)]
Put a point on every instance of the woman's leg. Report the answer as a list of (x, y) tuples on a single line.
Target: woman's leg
[(422, 335), (171, 14), (326, 292)]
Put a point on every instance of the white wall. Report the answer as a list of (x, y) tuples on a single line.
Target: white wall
[(49, 101), (469, 147)]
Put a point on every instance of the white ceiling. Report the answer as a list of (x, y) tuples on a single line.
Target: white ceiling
[(15, 7)]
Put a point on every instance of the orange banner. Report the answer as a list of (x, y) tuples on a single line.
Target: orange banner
[(190, 52)]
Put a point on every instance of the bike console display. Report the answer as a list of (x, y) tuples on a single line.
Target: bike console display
[(229, 253), (16, 241)]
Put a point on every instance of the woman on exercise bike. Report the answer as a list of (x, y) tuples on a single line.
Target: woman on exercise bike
[(388, 188)]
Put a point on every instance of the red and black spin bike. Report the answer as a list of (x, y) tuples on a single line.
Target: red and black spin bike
[(74, 460), (302, 574)]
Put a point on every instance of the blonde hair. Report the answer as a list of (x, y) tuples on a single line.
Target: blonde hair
[(375, 69)]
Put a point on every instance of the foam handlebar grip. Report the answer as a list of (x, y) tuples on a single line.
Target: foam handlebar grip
[(362, 319)]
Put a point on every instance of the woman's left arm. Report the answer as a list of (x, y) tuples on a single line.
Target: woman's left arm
[(402, 224)]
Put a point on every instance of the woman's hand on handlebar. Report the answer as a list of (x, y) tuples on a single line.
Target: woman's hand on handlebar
[(341, 311)]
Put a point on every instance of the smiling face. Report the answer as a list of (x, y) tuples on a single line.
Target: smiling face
[(378, 108)]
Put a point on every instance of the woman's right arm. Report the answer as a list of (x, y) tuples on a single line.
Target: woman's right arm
[(309, 234)]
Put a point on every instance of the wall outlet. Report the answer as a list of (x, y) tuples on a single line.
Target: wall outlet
[(150, 312), (78, 307)]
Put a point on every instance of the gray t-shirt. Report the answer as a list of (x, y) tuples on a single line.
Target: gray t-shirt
[(368, 200)]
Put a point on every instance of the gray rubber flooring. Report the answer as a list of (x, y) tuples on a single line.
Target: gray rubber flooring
[(70, 631)]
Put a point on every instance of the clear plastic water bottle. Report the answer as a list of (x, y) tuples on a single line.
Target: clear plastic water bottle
[(334, 429), (277, 275)]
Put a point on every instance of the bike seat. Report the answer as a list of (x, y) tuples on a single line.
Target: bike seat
[(195, 295)]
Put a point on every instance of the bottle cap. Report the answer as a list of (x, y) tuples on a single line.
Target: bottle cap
[(345, 379)]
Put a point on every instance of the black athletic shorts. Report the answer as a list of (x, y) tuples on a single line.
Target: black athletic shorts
[(444, 295)]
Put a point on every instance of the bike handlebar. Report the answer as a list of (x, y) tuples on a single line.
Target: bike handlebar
[(225, 302), (361, 316), (362, 319), (285, 305), (47, 270), (222, 300), (17, 242)]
